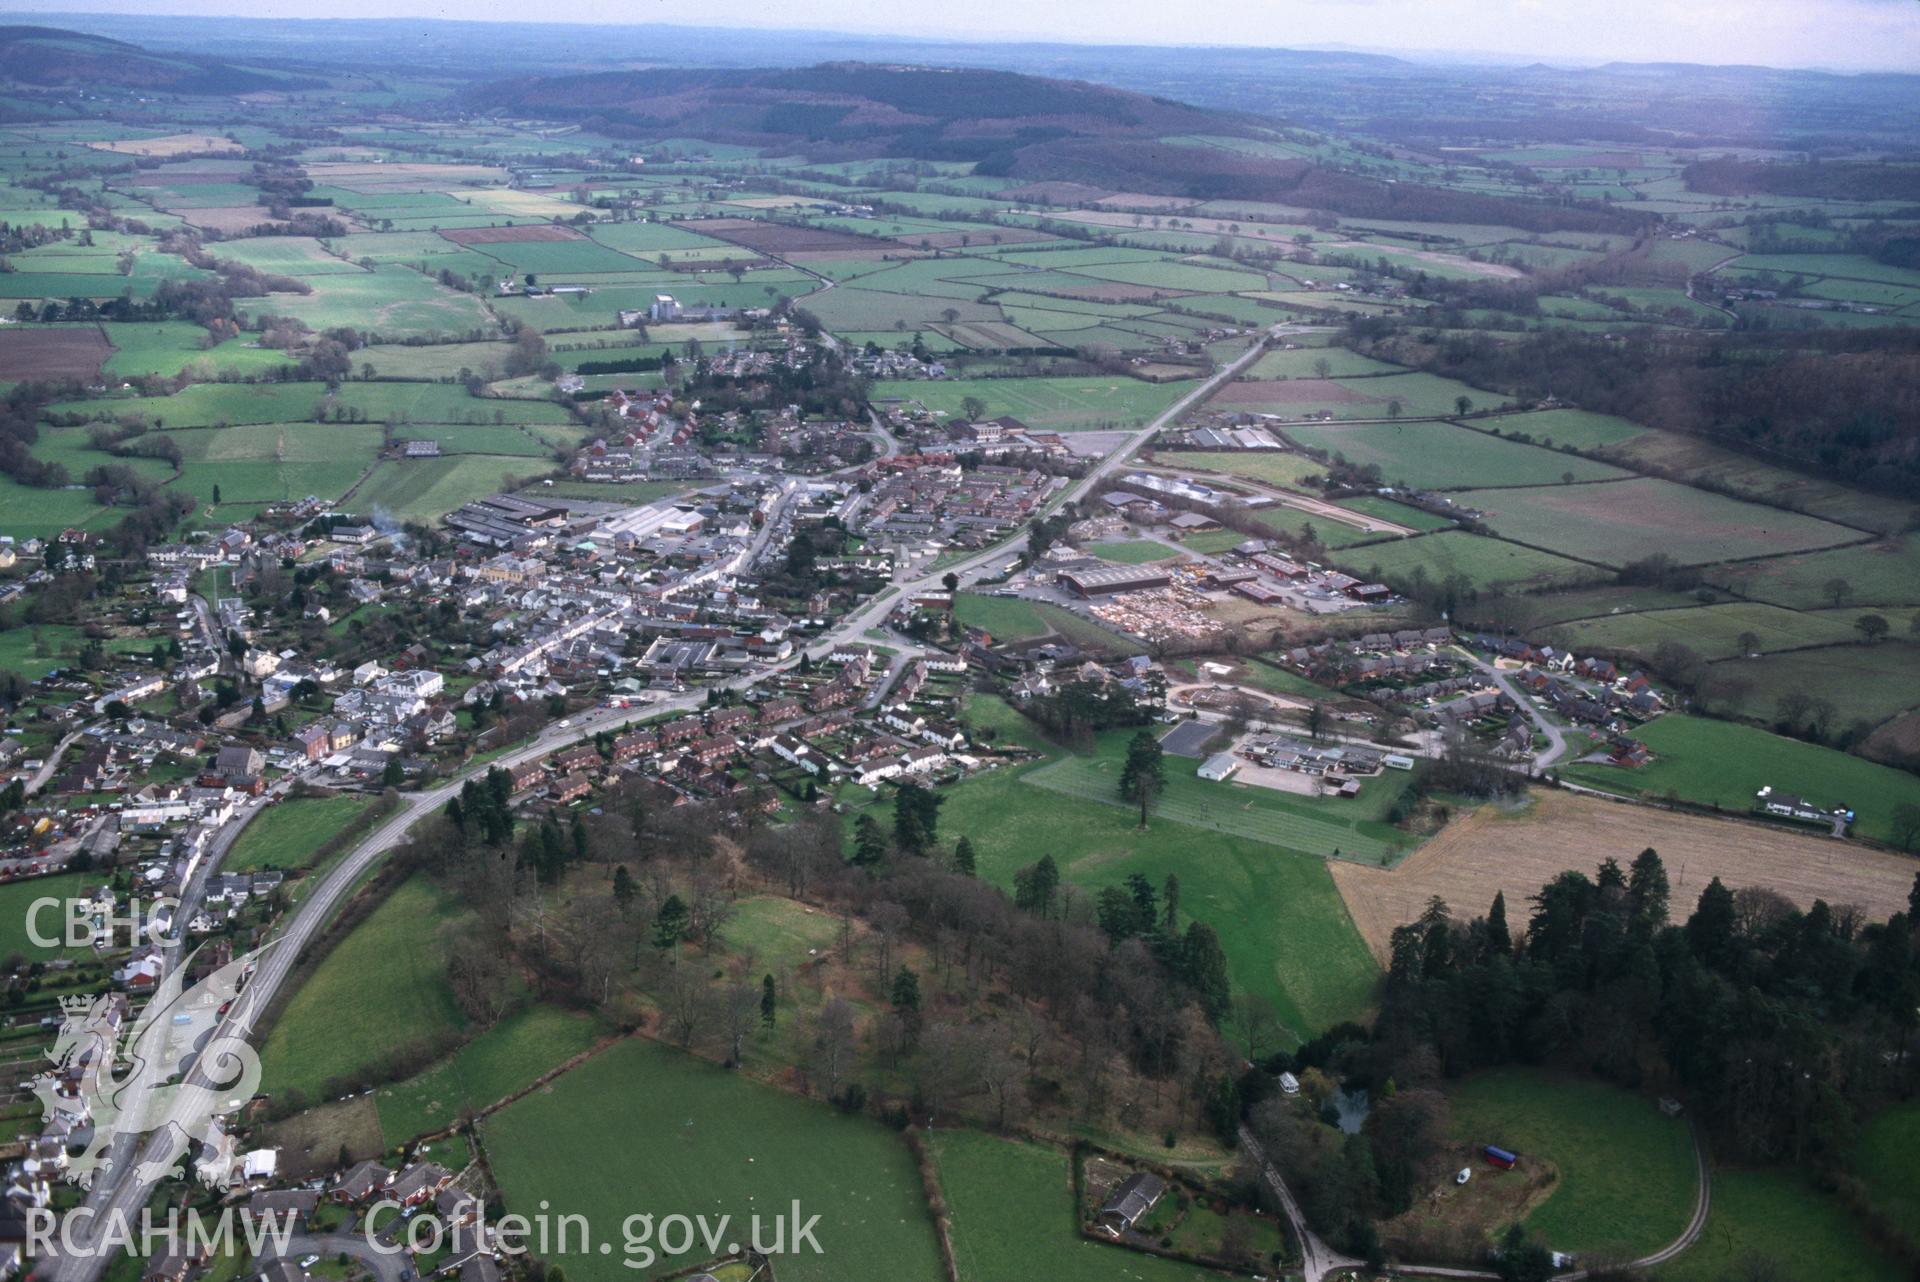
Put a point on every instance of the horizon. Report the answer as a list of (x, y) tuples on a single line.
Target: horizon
[(1848, 37)]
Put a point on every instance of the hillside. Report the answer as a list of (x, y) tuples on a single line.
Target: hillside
[(50, 57), (1006, 124)]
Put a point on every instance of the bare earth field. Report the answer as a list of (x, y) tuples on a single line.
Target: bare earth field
[(170, 145), (67, 352), (1489, 851), (505, 235), (776, 239)]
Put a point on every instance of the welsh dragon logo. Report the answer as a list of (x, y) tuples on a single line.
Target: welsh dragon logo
[(169, 1071)]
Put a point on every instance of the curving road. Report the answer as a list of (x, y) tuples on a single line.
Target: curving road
[(1318, 1259)]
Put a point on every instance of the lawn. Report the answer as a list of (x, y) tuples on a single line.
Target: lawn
[(1627, 1181), (1443, 456), (1013, 1218), (642, 1128), (498, 1062), (1723, 763), (1618, 522), (1133, 551), (287, 835), (382, 987), (1484, 561), (778, 934), (1777, 1215), (1049, 404)]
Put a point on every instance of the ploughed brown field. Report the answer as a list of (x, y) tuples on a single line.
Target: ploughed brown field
[(776, 238), (506, 235), (75, 351), (1490, 851)]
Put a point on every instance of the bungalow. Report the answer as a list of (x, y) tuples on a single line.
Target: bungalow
[(359, 1182), (419, 1183), (278, 1207), (1135, 1196)]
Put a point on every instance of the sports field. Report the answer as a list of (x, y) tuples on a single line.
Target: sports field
[(17, 899), (427, 489), (642, 1127), (1626, 1173), (1723, 763)]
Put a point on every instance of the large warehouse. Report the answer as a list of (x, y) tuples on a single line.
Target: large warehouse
[(1117, 578)]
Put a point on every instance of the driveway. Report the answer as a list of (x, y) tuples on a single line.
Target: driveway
[(384, 1267)]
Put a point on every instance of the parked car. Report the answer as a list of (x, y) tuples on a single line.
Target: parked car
[(1466, 1173)]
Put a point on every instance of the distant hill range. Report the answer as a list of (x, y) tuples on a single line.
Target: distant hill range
[(49, 57), (1006, 124)]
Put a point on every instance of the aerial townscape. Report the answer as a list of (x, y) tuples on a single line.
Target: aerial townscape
[(739, 653)]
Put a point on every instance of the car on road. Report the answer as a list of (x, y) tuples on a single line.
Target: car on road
[(566, 725)]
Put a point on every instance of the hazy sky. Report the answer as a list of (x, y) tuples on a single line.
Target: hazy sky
[(1841, 34)]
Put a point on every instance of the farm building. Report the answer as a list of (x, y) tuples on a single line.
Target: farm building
[(1119, 578)]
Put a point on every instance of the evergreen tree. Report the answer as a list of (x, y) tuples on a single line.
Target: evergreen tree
[(1499, 938), (769, 1000), (670, 927), (1035, 887), (869, 847), (963, 857), (1203, 964), (623, 889)]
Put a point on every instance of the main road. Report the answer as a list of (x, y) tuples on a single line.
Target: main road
[(119, 1193)]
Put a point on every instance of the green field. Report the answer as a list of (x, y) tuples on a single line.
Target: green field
[(288, 833), (426, 489), (1011, 1204), (1863, 683), (1711, 630), (1876, 574), (390, 302), (1133, 551), (778, 933), (1047, 404), (1777, 1215), (1883, 1157), (1618, 522), (1283, 924), (381, 987), (1275, 467), (644, 1128), (275, 462), (1626, 1174), (1484, 561), (1722, 763), (16, 903), (500, 1061), (1443, 456)]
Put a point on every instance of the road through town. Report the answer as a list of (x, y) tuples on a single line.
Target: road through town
[(119, 1192)]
